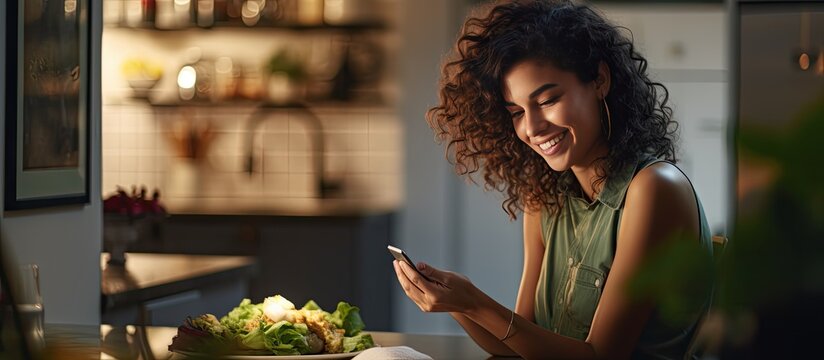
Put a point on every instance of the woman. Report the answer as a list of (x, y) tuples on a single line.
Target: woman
[(554, 105)]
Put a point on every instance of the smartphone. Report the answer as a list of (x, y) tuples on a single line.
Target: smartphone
[(400, 255)]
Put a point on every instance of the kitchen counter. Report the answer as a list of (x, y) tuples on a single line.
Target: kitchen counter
[(279, 206), (128, 291)]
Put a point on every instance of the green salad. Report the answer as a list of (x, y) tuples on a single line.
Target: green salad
[(275, 327)]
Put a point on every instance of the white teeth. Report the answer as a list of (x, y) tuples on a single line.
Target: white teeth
[(552, 141)]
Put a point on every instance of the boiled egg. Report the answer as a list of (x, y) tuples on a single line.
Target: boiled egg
[(277, 308)]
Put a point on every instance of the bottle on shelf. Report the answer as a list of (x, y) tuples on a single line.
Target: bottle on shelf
[(205, 13), (173, 14)]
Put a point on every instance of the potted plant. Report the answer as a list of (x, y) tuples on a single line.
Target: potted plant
[(286, 78)]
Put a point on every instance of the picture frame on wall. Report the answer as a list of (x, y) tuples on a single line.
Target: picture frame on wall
[(47, 103)]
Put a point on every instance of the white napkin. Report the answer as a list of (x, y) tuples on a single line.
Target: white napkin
[(391, 353)]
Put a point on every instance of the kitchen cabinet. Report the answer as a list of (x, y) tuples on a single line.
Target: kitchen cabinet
[(675, 36), (163, 289), (327, 258)]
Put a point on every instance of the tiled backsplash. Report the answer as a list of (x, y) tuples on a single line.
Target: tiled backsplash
[(152, 146)]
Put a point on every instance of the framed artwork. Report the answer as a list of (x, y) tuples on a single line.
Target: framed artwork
[(47, 103)]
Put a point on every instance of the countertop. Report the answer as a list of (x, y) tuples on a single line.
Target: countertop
[(151, 342), (278, 206), (149, 276)]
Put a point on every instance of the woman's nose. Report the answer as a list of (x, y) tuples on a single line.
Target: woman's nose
[(534, 122)]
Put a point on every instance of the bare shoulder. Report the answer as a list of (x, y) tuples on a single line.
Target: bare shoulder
[(658, 179), (662, 197)]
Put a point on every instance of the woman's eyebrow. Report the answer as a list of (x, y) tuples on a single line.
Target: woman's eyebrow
[(541, 89), (534, 93)]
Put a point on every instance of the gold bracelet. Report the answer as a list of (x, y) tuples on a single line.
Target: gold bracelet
[(509, 328)]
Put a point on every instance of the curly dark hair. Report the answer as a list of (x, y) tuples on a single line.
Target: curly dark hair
[(472, 117)]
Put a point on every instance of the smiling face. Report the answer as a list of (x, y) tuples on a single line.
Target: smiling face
[(555, 113)]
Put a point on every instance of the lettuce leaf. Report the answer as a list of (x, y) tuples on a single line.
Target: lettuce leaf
[(357, 343), (311, 305), (208, 323), (302, 329), (255, 339), (235, 321), (347, 317), (284, 338)]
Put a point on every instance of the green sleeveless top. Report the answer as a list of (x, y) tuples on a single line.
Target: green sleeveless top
[(580, 243)]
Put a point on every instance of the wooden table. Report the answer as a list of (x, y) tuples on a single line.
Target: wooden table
[(150, 342)]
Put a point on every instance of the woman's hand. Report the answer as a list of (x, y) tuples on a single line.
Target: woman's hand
[(448, 292)]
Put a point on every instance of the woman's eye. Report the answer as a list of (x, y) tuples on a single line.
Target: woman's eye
[(549, 101), (516, 114)]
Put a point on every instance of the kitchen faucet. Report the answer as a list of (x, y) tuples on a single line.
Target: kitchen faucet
[(324, 187)]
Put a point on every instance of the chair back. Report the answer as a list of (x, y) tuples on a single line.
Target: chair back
[(719, 243)]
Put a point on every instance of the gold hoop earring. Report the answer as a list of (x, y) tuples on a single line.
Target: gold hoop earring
[(609, 119)]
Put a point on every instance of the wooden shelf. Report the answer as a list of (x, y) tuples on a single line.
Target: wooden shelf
[(263, 26), (253, 104)]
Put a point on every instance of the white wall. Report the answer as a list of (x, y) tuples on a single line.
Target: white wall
[(64, 241), (424, 223), (445, 222)]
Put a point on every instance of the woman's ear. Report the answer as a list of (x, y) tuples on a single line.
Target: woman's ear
[(602, 81)]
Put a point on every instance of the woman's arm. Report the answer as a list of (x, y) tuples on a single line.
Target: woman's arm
[(659, 204), (525, 304)]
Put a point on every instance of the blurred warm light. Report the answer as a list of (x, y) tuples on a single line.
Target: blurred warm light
[(186, 80), (69, 6), (804, 61), (182, 3), (819, 65), (187, 77)]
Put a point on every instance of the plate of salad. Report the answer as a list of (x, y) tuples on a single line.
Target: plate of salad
[(274, 329)]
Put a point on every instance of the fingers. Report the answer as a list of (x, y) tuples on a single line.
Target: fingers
[(416, 288), (415, 278), (439, 277), (411, 290), (426, 269), (429, 296)]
